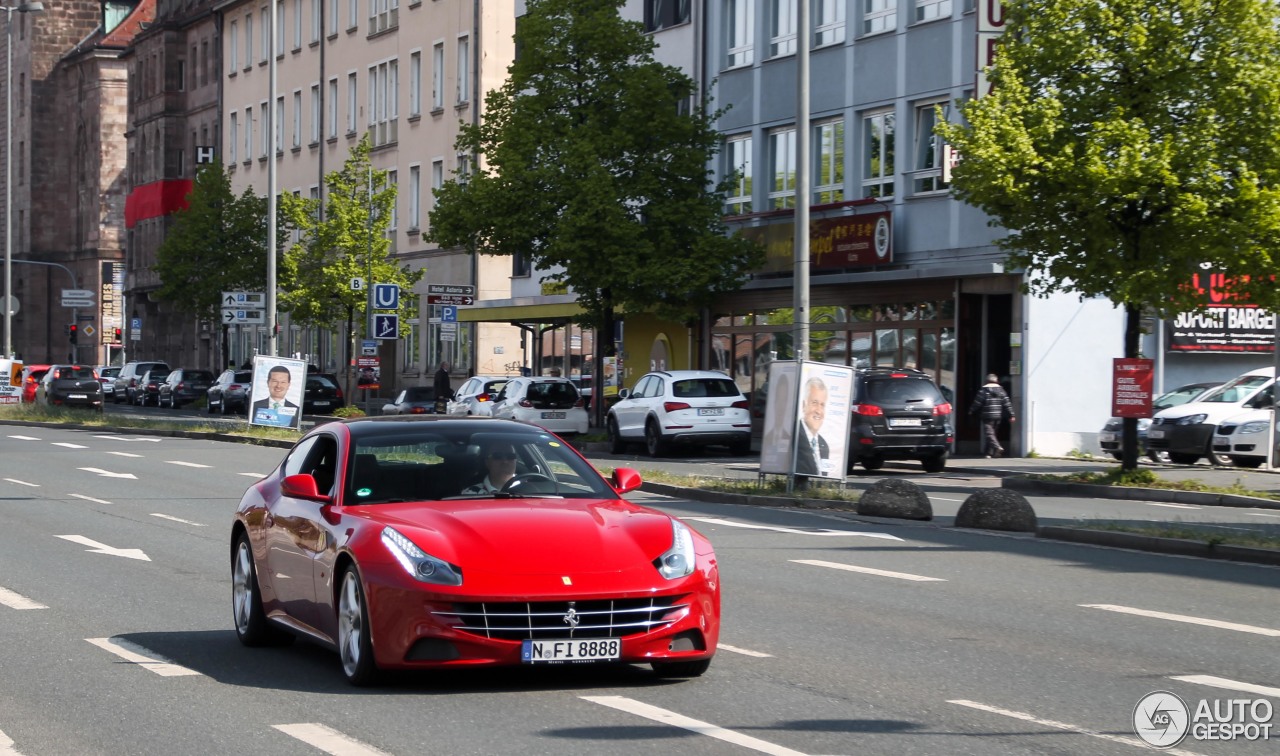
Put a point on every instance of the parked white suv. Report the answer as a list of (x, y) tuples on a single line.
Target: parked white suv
[(671, 407), (551, 403), (1243, 438), (1186, 431)]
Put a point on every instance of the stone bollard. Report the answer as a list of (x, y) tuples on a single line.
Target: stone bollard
[(901, 499), (997, 509)]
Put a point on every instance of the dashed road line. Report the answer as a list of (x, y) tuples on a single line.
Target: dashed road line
[(253, 475), (131, 438), (90, 498), (18, 601), (177, 519), (328, 739), (1186, 618), (185, 464), (22, 482), (796, 531), (1168, 506), (67, 445), (664, 716), (1225, 684), (870, 571), (1024, 717), (149, 660), (125, 454), (7, 747), (744, 651), (1260, 514), (25, 438)]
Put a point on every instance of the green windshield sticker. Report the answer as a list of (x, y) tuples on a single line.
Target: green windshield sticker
[(364, 492)]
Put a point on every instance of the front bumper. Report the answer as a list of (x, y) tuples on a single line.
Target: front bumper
[(1180, 439)]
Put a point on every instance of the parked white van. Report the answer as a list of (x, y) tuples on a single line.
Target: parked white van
[(1186, 432), (1243, 438)]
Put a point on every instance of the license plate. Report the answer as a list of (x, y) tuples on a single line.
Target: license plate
[(1107, 437), (1154, 433), (904, 422), (77, 396), (570, 651), (552, 415), (321, 404), (711, 411)]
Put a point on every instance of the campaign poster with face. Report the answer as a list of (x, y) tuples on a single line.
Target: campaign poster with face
[(277, 392), (779, 419), (822, 420)]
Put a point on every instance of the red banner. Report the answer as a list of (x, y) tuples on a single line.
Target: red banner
[(156, 199), (1131, 381)]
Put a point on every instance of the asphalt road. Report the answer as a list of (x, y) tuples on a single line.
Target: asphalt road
[(839, 637)]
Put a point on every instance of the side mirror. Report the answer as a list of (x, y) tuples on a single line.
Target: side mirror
[(303, 486), (625, 480), (624, 393)]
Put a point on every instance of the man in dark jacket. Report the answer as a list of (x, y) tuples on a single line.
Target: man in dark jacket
[(992, 404), (444, 392)]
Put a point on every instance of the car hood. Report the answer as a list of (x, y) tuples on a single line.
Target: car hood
[(1248, 417), (1217, 411), (531, 536)]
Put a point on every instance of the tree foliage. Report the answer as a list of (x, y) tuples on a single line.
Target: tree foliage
[(1128, 143), (348, 240), (217, 243), (591, 171)]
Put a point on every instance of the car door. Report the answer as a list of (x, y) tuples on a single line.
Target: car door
[(501, 405), (461, 398), (295, 534), (630, 412)]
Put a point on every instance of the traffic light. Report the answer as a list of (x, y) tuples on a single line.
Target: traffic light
[(73, 332), (117, 336)]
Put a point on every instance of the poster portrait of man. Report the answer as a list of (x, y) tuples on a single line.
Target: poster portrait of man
[(277, 392)]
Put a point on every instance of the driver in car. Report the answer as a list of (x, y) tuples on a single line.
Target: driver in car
[(500, 461)]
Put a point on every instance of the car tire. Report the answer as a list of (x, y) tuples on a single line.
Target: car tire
[(250, 620), (936, 463), (616, 444), (668, 670), (653, 441), (1161, 457), (1183, 459), (872, 463), (208, 407), (222, 407), (1220, 460), (354, 645)]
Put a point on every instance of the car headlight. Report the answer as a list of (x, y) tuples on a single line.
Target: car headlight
[(1143, 424), (677, 561), (1255, 426), (1192, 419), (418, 563)]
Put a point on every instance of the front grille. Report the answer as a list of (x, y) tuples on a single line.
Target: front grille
[(607, 618), (1226, 430)]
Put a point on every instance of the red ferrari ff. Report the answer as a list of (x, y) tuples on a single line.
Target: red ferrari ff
[(422, 542)]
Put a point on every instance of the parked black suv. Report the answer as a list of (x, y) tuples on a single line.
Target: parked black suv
[(899, 413), (126, 388)]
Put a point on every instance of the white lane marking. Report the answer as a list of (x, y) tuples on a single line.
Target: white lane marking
[(102, 548), (144, 658), (943, 498), (253, 475), (22, 482), (1168, 506), (1185, 618), (743, 651), (1259, 514), (797, 531), (67, 445), (131, 438), (1022, 716), (6, 746), (126, 454), (870, 571), (25, 438), (175, 519), (185, 464), (18, 601), (327, 739), (1224, 683), (89, 498), (663, 716), (108, 473)]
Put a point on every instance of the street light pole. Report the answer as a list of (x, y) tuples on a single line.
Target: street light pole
[(32, 7)]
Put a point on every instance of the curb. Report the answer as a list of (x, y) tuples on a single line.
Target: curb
[(722, 497), (1092, 491), (1175, 546)]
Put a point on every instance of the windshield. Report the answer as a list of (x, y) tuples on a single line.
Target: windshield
[(72, 373), (420, 394), (1238, 390), (435, 462)]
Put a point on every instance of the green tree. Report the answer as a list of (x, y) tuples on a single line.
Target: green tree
[(1125, 144), (593, 164), (217, 243), (348, 240)]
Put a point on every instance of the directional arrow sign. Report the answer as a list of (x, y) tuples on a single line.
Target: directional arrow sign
[(450, 299), (243, 317), (108, 473), (102, 548)]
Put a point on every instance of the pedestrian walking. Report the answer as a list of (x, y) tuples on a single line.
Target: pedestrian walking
[(992, 405), (443, 388)]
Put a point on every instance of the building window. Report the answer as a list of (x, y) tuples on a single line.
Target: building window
[(267, 129), (437, 76), (782, 157), (383, 107), (353, 14), (351, 103), (233, 133), (278, 125), (393, 179), (297, 119), (181, 73), (828, 22), (464, 69), (737, 158), (332, 107), (415, 83), (928, 152), (266, 37), (317, 16), (437, 179), (879, 16), (928, 10), (782, 27), (204, 64), (828, 185), (659, 14), (248, 39), (415, 197), (333, 16), (877, 155), (315, 113), (233, 48), (741, 28)]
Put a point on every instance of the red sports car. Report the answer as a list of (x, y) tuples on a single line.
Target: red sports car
[(422, 542)]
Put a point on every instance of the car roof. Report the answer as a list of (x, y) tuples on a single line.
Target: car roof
[(686, 374), (360, 426)]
